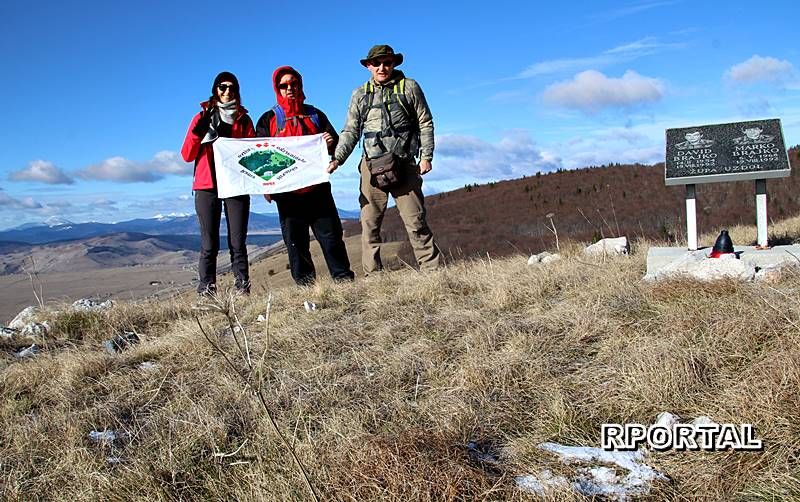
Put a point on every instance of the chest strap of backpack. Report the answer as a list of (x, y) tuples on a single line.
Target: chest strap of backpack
[(280, 118), (398, 92)]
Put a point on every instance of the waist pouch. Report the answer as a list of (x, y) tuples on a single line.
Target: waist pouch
[(386, 171)]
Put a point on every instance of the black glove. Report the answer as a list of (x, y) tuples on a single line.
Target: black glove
[(203, 123)]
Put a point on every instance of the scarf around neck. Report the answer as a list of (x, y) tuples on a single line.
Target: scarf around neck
[(294, 106), (223, 112)]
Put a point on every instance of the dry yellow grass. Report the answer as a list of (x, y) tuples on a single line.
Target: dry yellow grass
[(381, 388)]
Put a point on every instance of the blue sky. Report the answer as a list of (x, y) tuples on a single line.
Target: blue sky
[(99, 95)]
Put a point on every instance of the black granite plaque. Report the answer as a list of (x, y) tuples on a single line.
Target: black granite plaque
[(726, 152)]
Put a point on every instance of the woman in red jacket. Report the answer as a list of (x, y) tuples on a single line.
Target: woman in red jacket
[(221, 116), (311, 207)]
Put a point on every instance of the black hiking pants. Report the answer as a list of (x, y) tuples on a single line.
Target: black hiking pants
[(314, 209), (209, 213)]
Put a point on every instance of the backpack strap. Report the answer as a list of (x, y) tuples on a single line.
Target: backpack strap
[(399, 91), (313, 114), (280, 119)]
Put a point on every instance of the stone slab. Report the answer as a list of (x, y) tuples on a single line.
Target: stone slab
[(726, 152), (658, 258)]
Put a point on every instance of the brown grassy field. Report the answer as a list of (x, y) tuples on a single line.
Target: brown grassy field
[(381, 388), (120, 283)]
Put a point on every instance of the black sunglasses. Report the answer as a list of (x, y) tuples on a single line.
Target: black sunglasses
[(225, 87), (285, 86), (386, 62)]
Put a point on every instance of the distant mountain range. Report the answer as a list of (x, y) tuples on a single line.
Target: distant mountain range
[(59, 229), (123, 249)]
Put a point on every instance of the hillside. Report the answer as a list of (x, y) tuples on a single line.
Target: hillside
[(408, 386), (509, 217), (114, 250)]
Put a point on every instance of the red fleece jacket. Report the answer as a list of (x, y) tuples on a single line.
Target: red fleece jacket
[(203, 154)]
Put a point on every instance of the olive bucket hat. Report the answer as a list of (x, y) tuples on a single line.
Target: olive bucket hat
[(382, 50)]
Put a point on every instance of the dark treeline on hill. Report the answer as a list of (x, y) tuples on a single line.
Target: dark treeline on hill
[(587, 204)]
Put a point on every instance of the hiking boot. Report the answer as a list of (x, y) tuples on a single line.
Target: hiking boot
[(207, 290), (243, 288)]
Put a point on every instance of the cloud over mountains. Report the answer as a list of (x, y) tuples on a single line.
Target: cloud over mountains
[(514, 154), (591, 91), (761, 69), (41, 171), (124, 170)]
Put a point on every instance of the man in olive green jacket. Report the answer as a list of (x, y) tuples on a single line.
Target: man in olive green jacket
[(391, 112)]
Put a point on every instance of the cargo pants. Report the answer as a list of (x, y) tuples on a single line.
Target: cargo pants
[(411, 206)]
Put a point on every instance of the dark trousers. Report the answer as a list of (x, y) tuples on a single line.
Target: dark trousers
[(209, 213), (317, 210)]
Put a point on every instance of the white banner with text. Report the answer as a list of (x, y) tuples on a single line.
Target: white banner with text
[(269, 165)]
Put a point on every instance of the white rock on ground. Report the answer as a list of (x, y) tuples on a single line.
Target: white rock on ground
[(309, 306), (6, 332), (89, 305), (608, 247), (600, 473), (550, 259), (544, 258), (26, 316), (667, 419), (769, 275), (703, 420), (28, 352), (697, 265), (35, 329)]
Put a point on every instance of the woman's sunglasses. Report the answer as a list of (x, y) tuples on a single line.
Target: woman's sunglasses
[(225, 87)]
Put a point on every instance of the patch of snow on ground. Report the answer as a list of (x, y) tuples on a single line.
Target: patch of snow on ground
[(604, 480)]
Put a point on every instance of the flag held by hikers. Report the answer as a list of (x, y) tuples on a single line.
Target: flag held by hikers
[(269, 165)]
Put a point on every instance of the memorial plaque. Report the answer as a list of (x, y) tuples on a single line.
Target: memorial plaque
[(726, 152)]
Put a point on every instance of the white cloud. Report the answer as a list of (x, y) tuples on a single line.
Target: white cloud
[(12, 203), (124, 170), (41, 171), (59, 203), (514, 155), (623, 53), (591, 91), (631, 9), (761, 69), (642, 144), (567, 65), (598, 154), (104, 203), (755, 107)]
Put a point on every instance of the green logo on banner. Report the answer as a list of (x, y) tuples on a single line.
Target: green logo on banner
[(266, 163)]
